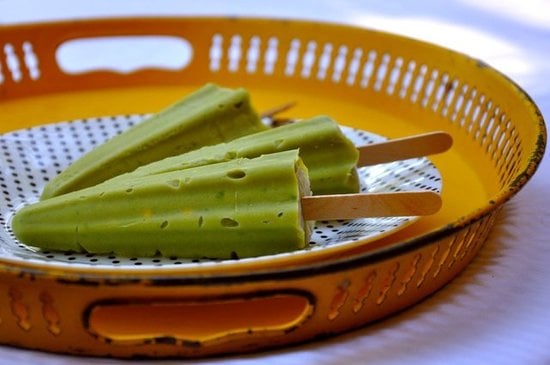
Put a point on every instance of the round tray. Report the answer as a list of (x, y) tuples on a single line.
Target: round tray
[(370, 81)]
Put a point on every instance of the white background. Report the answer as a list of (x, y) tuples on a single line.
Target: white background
[(498, 310)]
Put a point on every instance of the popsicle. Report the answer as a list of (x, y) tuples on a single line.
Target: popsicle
[(239, 208), (208, 116), (329, 155)]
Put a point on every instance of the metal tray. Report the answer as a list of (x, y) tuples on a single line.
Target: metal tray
[(369, 81)]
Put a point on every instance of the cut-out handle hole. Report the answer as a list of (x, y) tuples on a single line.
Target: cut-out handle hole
[(199, 321), (124, 54)]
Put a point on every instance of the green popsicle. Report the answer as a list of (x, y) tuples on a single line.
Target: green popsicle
[(240, 208), (208, 116), (330, 157)]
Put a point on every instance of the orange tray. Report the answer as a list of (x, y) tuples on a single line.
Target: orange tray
[(373, 81)]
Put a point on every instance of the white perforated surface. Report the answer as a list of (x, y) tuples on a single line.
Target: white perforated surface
[(31, 157)]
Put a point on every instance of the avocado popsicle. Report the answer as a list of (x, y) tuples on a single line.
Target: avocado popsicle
[(208, 116), (329, 155), (239, 208)]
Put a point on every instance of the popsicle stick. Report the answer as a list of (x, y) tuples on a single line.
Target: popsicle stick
[(369, 205), (404, 148), (269, 113)]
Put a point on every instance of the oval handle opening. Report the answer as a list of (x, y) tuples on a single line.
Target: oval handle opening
[(202, 321), (124, 54)]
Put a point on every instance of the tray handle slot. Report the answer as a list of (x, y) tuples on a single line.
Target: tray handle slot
[(124, 54), (197, 321)]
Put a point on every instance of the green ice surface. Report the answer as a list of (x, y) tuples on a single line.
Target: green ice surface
[(208, 116), (240, 208), (330, 157)]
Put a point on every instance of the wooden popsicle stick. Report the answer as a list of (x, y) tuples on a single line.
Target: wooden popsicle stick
[(404, 148), (368, 205), (269, 113)]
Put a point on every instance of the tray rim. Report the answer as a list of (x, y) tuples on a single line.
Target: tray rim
[(197, 276)]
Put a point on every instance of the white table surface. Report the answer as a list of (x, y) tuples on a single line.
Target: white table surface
[(498, 310)]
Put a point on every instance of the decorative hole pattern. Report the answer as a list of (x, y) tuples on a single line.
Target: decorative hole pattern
[(339, 299), (381, 72), (418, 84), (235, 53), (388, 282), (409, 274), (450, 99), (271, 55), (427, 266), (13, 63), (402, 278), (368, 69), (353, 66), (325, 61), (50, 314), (216, 52), (458, 248), (19, 309), (20, 63), (364, 291), (253, 54), (308, 60), (31, 61), (444, 255), (440, 85), (394, 76), (292, 57), (427, 90), (339, 64)]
